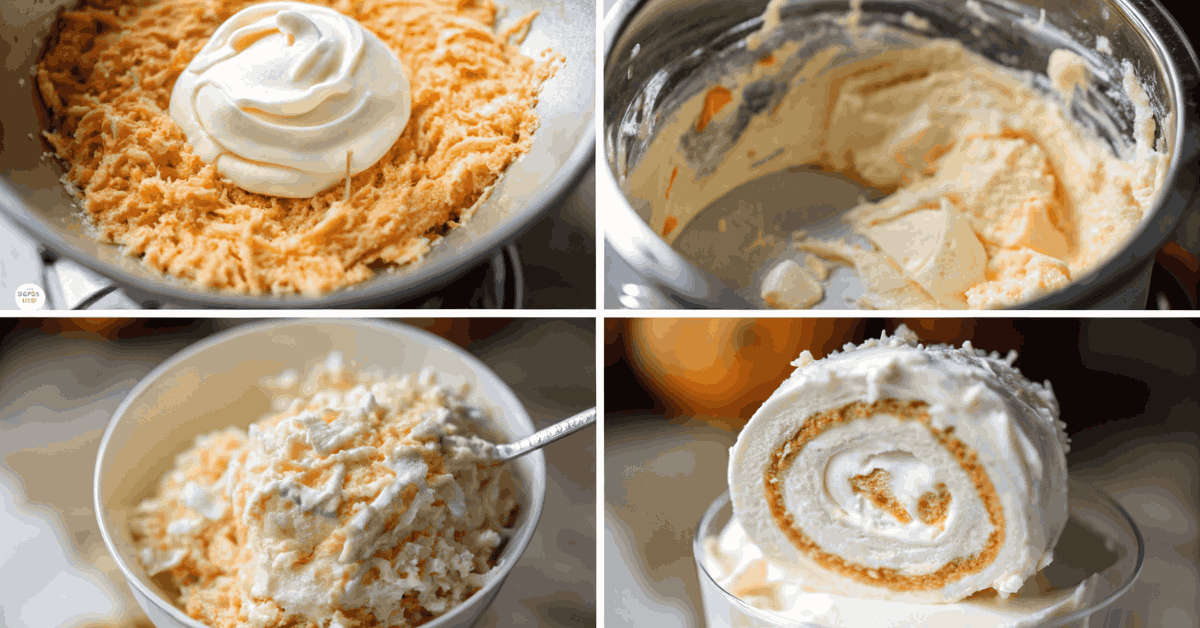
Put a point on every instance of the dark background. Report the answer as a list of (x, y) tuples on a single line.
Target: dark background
[(1102, 370)]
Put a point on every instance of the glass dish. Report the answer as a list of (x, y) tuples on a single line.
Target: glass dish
[(1089, 508)]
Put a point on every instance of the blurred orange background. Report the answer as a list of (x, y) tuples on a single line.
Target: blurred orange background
[(721, 369)]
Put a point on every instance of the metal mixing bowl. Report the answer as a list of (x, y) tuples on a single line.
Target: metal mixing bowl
[(657, 50), (564, 144)]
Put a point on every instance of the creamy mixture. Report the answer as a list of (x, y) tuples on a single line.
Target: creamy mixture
[(367, 502), (901, 481), (994, 196)]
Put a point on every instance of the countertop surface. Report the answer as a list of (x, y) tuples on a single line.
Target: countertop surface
[(59, 392)]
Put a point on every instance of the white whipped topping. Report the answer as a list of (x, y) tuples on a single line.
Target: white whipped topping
[(332, 433), (157, 560), (284, 92), (1009, 423), (205, 501), (740, 567), (369, 491), (187, 525)]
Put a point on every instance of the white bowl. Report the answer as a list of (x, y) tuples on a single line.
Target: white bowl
[(218, 382)]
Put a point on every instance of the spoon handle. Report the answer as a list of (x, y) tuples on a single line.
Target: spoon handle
[(541, 438)]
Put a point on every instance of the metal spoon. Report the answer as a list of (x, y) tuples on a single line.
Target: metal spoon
[(541, 438)]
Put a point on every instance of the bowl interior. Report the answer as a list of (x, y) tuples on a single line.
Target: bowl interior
[(668, 52), (221, 382), (30, 189)]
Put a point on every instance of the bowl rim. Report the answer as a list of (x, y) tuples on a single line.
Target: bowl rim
[(1074, 486), (517, 545)]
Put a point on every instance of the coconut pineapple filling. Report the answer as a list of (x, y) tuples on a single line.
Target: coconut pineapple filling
[(367, 500)]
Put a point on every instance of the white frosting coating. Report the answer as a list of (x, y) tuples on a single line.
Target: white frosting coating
[(1008, 422), (283, 92)]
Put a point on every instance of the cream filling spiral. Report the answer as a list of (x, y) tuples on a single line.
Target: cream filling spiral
[(902, 472), (286, 96), (889, 491)]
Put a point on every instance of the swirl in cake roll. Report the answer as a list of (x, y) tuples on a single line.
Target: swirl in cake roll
[(903, 472), (286, 96)]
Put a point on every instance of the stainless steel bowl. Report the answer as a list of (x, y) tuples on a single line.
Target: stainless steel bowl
[(654, 47), (564, 144)]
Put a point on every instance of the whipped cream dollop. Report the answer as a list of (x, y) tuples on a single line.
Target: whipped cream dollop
[(286, 94), (903, 472)]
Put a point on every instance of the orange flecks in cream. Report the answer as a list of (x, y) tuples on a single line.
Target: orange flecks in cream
[(716, 100), (671, 183), (669, 225)]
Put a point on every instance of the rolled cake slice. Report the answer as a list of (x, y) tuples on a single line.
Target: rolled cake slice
[(898, 471)]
